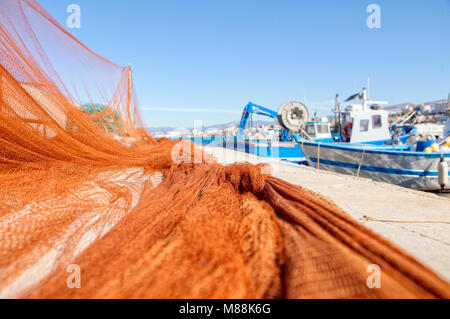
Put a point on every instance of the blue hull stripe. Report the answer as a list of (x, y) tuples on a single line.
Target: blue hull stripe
[(360, 149), (385, 170)]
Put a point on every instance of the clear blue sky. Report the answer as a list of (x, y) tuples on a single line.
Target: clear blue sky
[(215, 56)]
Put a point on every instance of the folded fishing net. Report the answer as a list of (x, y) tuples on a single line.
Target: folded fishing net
[(82, 183)]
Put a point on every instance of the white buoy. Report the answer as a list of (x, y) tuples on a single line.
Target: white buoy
[(442, 173)]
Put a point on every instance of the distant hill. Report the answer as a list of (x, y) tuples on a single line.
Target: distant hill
[(432, 107)]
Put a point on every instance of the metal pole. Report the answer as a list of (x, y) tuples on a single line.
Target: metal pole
[(335, 111), (339, 115), (318, 155)]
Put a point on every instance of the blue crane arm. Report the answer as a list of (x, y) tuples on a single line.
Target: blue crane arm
[(252, 108)]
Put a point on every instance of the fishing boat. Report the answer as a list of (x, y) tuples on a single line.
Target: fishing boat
[(410, 165), (398, 165)]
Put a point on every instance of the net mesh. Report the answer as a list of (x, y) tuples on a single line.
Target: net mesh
[(83, 183)]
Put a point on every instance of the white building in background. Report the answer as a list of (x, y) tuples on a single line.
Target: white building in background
[(426, 108)]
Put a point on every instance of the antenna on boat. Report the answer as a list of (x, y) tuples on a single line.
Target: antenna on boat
[(337, 111), (368, 87), (364, 99)]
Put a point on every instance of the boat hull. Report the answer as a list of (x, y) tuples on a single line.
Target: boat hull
[(287, 151), (416, 170)]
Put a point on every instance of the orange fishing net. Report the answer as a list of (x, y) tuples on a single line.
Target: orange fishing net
[(82, 183)]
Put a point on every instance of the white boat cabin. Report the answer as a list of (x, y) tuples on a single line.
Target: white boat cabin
[(365, 122), (366, 126), (318, 130)]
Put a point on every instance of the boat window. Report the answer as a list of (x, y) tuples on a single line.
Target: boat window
[(322, 129), (310, 130), (376, 121), (364, 125)]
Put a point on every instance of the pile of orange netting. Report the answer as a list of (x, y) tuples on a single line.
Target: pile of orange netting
[(82, 183)]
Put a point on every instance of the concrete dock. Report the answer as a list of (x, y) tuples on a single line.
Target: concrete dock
[(416, 221)]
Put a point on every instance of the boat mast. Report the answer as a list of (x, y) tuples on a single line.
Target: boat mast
[(364, 99), (337, 112)]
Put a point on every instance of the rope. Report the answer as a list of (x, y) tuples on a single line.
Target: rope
[(367, 218), (318, 155), (360, 162)]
